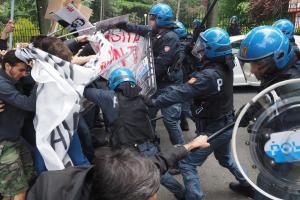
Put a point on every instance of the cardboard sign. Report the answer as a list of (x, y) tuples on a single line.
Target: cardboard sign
[(54, 5), (70, 18)]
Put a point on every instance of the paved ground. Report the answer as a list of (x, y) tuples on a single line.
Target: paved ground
[(215, 179)]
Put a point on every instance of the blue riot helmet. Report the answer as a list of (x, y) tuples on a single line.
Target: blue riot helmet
[(264, 44), (197, 23), (234, 20), (286, 26), (181, 30), (162, 14), (119, 76), (212, 43)]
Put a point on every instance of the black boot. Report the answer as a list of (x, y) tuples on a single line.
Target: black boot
[(246, 190), (184, 124)]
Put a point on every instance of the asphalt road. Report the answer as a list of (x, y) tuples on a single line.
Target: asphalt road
[(214, 178)]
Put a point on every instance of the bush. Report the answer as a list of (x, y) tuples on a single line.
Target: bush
[(24, 30)]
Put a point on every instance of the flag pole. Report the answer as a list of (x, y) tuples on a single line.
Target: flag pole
[(12, 12)]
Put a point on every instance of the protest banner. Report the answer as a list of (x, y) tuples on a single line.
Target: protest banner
[(118, 48), (59, 79)]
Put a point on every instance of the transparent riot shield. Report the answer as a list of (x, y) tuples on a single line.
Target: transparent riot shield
[(266, 141)]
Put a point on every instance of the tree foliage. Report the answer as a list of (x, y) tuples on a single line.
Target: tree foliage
[(229, 8), (261, 10), (23, 9)]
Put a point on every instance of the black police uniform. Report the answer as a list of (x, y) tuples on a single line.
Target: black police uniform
[(212, 93), (234, 30), (166, 52), (127, 115), (129, 122)]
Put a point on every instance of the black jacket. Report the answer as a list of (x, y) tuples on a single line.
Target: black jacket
[(75, 183)]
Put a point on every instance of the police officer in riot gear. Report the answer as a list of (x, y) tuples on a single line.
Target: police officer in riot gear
[(128, 118), (211, 88), (187, 61), (234, 28), (288, 28), (198, 27), (166, 52), (272, 59)]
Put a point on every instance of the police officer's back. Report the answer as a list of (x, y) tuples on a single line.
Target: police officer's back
[(124, 107)]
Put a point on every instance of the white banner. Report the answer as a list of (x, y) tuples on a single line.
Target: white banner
[(61, 85)]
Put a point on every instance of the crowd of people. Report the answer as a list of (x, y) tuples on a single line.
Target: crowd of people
[(194, 75)]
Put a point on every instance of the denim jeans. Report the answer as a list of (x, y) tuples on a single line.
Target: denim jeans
[(150, 150), (222, 152), (85, 136), (171, 119)]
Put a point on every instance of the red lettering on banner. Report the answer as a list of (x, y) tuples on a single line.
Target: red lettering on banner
[(107, 36), (70, 9), (136, 38), (129, 36), (117, 55), (116, 38), (134, 52)]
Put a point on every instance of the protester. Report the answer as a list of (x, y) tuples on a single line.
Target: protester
[(116, 175), (16, 166), (9, 28), (57, 48)]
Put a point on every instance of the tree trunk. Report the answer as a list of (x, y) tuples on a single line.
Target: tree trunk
[(44, 24), (213, 17), (178, 10)]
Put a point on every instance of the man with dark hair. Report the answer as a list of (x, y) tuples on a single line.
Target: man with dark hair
[(119, 174), (16, 166)]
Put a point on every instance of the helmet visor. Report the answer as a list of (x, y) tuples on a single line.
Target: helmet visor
[(199, 48), (256, 69)]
